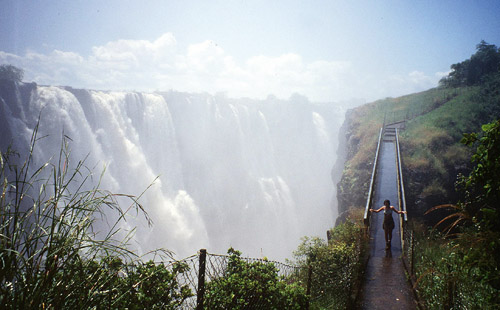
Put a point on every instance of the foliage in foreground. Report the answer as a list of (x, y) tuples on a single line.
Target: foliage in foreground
[(336, 266), (455, 274), (463, 272), (51, 253), (254, 285)]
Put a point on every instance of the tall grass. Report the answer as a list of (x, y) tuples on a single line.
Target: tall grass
[(52, 254), (454, 274)]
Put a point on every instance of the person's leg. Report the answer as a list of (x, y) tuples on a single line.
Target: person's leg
[(387, 237)]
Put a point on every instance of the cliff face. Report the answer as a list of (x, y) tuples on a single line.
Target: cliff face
[(21, 94), (353, 166), (338, 166)]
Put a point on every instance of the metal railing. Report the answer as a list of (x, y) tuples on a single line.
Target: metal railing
[(372, 182), (401, 187), (401, 192)]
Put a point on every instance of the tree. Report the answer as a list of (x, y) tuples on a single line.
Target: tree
[(10, 72), (472, 71)]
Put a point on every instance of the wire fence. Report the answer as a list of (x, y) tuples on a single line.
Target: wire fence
[(336, 284), (205, 268), (331, 284), (440, 277)]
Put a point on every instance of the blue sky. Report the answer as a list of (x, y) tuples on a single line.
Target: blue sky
[(326, 50)]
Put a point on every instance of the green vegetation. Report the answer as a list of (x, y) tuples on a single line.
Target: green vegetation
[(456, 273), (52, 255), (364, 124), (459, 267), (462, 272), (10, 72), (473, 71), (482, 186), (432, 152), (253, 285), (336, 266), (435, 120), (332, 271)]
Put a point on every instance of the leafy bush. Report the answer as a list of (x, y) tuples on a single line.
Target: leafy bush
[(336, 266), (462, 273), (482, 186), (253, 285)]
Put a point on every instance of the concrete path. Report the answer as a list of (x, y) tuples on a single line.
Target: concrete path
[(385, 285)]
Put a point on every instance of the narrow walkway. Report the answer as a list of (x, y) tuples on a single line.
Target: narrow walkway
[(386, 286)]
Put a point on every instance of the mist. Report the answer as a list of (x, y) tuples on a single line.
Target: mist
[(250, 174)]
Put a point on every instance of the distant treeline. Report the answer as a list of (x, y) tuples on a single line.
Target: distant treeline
[(480, 67)]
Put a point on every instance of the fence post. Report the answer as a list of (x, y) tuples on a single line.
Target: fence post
[(201, 279), (308, 289)]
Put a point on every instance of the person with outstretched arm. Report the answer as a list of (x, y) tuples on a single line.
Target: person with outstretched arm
[(388, 221)]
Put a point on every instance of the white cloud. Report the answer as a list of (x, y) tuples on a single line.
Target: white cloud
[(162, 65)]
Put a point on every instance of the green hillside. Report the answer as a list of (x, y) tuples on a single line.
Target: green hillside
[(424, 144), (433, 156), (451, 159)]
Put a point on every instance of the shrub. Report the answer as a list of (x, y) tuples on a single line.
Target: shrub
[(336, 266), (455, 274), (253, 285)]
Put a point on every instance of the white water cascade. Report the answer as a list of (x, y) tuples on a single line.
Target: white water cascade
[(254, 175)]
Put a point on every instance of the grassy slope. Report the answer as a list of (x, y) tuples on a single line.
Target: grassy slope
[(432, 153)]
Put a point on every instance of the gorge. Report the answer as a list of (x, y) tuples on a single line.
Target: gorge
[(251, 174)]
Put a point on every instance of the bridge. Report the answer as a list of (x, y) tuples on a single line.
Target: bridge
[(386, 285)]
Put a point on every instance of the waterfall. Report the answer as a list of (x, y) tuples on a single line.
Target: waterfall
[(251, 174)]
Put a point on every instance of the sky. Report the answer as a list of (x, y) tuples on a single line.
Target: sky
[(328, 51)]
